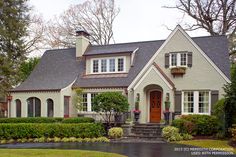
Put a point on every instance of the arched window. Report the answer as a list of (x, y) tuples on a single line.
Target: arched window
[(50, 107), (34, 107), (18, 108)]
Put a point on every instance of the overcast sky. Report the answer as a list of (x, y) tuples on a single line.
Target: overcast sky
[(138, 20)]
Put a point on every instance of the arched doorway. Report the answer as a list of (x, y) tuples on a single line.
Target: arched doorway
[(50, 108), (18, 108), (34, 107), (154, 101)]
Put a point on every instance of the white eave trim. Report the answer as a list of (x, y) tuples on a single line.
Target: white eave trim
[(178, 27), (158, 73)]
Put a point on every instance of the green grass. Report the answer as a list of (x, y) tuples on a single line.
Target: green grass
[(208, 144), (53, 153)]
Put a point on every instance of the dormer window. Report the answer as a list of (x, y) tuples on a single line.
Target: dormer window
[(108, 65), (95, 66), (120, 64)]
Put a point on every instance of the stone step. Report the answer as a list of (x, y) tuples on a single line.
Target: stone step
[(157, 137), (147, 134), (146, 129), (143, 132)]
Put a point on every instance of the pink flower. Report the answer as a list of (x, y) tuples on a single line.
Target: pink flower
[(136, 111)]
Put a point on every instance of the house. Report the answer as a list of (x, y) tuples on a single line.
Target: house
[(189, 72)]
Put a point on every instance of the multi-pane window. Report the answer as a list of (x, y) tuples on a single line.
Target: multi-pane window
[(120, 64), (112, 65), (173, 59), (178, 59), (103, 65), (197, 102), (188, 102), (93, 95), (183, 59), (203, 102), (85, 102), (108, 65), (95, 66)]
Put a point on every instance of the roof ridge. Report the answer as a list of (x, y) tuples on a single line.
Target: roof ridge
[(135, 42), (60, 49)]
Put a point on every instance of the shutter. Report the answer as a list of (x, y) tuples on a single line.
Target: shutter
[(214, 97), (167, 64), (190, 59), (178, 102)]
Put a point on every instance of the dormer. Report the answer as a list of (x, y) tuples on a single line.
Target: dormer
[(108, 59)]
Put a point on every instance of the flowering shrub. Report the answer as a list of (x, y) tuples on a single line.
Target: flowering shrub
[(115, 132), (136, 111), (171, 133)]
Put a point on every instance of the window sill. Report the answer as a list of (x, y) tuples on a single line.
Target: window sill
[(186, 113)]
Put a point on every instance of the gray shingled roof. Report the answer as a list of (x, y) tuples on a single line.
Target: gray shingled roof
[(59, 68), (56, 70), (106, 49)]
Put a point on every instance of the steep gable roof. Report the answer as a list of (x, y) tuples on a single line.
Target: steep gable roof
[(58, 68)]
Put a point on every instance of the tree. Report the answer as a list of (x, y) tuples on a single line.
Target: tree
[(94, 16), (215, 16), (20, 33), (230, 100), (109, 105), (27, 67), (218, 17), (14, 19)]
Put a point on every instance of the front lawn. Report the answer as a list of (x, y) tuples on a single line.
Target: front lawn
[(208, 144), (53, 153)]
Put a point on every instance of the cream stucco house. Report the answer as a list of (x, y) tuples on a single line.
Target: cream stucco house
[(190, 72)]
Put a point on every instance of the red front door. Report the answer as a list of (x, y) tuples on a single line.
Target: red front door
[(155, 106)]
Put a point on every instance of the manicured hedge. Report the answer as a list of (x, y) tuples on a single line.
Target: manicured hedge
[(197, 124), (78, 120), (47, 120), (33, 130)]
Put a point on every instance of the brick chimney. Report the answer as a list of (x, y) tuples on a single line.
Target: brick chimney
[(82, 42)]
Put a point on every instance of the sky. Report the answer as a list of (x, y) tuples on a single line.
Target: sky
[(138, 20)]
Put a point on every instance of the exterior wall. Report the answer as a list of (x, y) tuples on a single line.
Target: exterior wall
[(152, 78), (89, 58), (43, 96), (57, 97), (201, 76), (67, 91)]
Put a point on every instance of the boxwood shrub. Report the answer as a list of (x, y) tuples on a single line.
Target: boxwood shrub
[(30, 120), (47, 120), (197, 124), (33, 130), (78, 120)]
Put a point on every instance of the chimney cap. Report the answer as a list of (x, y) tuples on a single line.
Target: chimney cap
[(81, 32)]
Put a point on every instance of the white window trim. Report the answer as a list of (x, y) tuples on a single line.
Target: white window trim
[(196, 103), (108, 62), (89, 104), (178, 60)]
